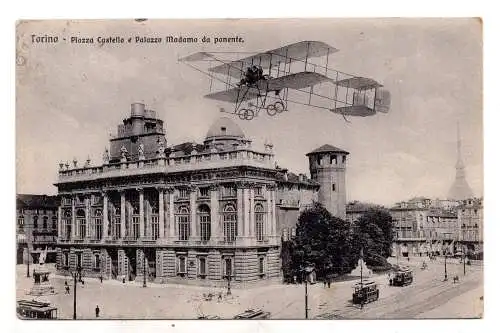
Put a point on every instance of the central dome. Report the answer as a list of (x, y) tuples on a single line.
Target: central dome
[(224, 128)]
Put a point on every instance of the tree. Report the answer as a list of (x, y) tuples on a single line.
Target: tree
[(321, 241), (373, 232)]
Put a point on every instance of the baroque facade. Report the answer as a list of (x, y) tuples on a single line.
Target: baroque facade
[(190, 212)]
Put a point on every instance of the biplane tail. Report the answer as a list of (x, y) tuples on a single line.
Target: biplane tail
[(383, 100)]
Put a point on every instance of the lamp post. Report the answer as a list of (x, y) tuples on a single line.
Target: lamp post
[(307, 271), (229, 284), (445, 272), (28, 259), (463, 257), (144, 267), (75, 274)]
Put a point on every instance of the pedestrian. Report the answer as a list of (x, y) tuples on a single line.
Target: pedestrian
[(67, 289), (100, 277), (324, 283), (97, 310), (329, 282), (123, 280)]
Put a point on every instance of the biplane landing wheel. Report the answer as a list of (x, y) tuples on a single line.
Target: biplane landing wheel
[(271, 110), (279, 107), (246, 114)]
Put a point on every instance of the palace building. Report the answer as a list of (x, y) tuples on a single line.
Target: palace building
[(184, 213)]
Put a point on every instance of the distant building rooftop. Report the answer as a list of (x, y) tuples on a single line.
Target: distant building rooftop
[(36, 201), (327, 149)]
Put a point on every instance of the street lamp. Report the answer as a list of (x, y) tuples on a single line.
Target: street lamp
[(445, 272), (307, 271), (229, 284), (76, 273), (144, 267)]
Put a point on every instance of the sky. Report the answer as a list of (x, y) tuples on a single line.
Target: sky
[(70, 98)]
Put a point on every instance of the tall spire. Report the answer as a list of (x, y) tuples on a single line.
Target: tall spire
[(460, 189)]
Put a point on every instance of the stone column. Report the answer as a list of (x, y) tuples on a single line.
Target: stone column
[(141, 213), (239, 208), (88, 233), (273, 212), (192, 209), (171, 218), (59, 222), (214, 212), (245, 231), (105, 219), (161, 213), (252, 212), (73, 217), (122, 214), (268, 221)]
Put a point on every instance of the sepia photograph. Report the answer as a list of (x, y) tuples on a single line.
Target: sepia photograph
[(307, 168)]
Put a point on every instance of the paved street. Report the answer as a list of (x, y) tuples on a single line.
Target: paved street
[(428, 297)]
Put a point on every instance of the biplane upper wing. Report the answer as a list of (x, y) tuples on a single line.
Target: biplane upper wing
[(198, 56), (293, 52), (295, 81), (359, 83), (234, 94)]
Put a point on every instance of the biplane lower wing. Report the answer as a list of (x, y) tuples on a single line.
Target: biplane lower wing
[(292, 81), (295, 81), (359, 83), (355, 111), (234, 95)]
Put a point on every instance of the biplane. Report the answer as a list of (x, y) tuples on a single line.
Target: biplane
[(298, 73)]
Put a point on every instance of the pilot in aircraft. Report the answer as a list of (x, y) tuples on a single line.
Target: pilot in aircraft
[(252, 76)]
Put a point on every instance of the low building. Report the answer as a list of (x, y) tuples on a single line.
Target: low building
[(36, 228)]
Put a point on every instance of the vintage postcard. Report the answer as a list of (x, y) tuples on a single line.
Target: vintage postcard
[(249, 169)]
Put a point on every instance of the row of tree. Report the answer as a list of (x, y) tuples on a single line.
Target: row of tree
[(332, 245)]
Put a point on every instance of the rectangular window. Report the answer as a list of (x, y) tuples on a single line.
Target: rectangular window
[(183, 225), (96, 200), (155, 232), (204, 191), (227, 267), (82, 228), (97, 261), (258, 191), (228, 191), (135, 227), (333, 187), (205, 227), (233, 156), (65, 259), (202, 266), (20, 223), (98, 228), (117, 228), (67, 229), (259, 226), (183, 193), (181, 265), (262, 267)]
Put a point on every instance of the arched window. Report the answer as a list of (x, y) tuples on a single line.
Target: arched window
[(204, 221), (230, 223), (81, 222), (54, 222), (182, 218), (259, 222), (45, 222)]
